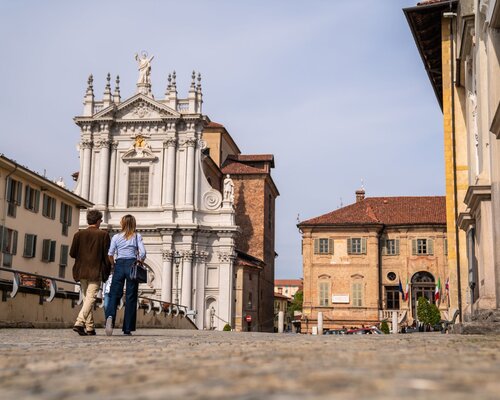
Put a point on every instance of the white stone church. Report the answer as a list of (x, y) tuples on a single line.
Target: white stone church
[(144, 156)]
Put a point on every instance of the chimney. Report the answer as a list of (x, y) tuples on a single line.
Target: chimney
[(360, 195)]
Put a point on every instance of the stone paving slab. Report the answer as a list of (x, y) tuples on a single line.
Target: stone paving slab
[(174, 364)]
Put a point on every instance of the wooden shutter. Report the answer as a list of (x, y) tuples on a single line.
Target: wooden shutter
[(44, 206), (316, 246), (61, 214), (430, 246), (363, 245), (46, 250), (27, 197), (70, 214), (383, 245), (63, 258), (37, 201), (349, 246), (27, 245), (52, 256), (14, 243), (9, 189), (396, 245), (330, 246), (414, 247), (19, 193), (53, 208)]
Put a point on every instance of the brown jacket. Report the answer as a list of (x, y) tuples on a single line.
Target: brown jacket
[(90, 251)]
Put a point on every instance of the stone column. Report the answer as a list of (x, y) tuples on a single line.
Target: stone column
[(201, 258), (86, 166), (112, 174), (166, 277), (102, 196), (190, 143), (226, 291), (281, 321), (320, 323), (187, 282), (169, 174)]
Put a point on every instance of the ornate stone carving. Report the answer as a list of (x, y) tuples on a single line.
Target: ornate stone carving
[(188, 255), (191, 142), (228, 189), (202, 144), (225, 257), (142, 110), (212, 199), (167, 255), (86, 144), (201, 256), (172, 142), (103, 143), (140, 150)]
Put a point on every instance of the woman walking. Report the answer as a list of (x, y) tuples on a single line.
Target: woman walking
[(126, 248)]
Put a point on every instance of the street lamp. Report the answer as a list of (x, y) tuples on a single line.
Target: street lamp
[(177, 257)]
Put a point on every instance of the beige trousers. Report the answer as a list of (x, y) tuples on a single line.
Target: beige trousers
[(86, 317)]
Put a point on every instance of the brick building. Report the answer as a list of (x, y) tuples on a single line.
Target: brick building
[(355, 258), (254, 201)]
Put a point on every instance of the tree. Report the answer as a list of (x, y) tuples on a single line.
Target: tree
[(427, 313), (297, 301), (384, 327)]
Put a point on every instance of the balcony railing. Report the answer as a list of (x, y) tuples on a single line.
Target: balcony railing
[(49, 284)]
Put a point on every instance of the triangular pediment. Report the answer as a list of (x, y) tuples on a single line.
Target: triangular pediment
[(138, 107)]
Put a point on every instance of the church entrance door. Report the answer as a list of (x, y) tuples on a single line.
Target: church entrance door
[(422, 285)]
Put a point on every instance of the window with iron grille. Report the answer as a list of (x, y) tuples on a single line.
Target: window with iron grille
[(29, 245), (14, 196), (31, 199), (138, 187), (49, 250), (357, 294), (65, 218), (49, 207)]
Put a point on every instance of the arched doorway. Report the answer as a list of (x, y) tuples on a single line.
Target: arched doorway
[(423, 284)]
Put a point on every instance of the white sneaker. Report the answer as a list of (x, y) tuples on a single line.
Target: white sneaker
[(109, 326)]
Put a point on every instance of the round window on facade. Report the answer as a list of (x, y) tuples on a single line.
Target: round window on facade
[(391, 276)]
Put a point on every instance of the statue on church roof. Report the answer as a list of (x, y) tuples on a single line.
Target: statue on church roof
[(144, 66)]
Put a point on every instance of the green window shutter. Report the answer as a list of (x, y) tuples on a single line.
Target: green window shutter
[(63, 258), (61, 214), (316, 246), (363, 245), (70, 215), (37, 201), (53, 209), (414, 247), (19, 193), (45, 250), (430, 246), (330, 246), (14, 243), (27, 197), (349, 246), (52, 251), (44, 206), (27, 245), (9, 189), (396, 244)]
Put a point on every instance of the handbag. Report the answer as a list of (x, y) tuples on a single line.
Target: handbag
[(138, 271)]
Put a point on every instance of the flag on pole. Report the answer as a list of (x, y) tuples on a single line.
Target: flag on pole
[(447, 291), (407, 288), (437, 293), (401, 288)]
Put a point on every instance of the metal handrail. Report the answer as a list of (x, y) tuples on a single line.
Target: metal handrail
[(155, 305)]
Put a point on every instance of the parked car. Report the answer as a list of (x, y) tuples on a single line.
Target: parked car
[(334, 332), (365, 331)]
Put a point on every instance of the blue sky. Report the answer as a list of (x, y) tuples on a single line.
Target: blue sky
[(335, 90)]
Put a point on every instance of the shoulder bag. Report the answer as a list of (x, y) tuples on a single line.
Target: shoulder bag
[(138, 272)]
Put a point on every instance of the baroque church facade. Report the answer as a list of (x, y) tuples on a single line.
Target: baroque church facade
[(149, 158)]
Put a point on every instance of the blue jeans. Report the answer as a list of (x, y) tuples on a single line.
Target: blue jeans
[(121, 275)]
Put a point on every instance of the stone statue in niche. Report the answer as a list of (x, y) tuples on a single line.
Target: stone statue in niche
[(228, 189), (144, 66)]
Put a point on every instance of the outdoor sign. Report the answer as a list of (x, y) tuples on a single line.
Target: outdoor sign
[(340, 298), (248, 318)]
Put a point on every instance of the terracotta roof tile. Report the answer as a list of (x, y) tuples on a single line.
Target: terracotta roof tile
[(212, 124), (288, 282), (234, 167), (252, 157), (387, 211)]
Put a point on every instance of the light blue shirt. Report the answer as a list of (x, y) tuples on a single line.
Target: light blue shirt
[(122, 248)]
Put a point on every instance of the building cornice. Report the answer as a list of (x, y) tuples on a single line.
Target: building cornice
[(475, 195)]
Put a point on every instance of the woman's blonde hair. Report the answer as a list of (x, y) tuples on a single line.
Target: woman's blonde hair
[(128, 225)]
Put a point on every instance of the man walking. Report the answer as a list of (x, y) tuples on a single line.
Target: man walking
[(92, 266)]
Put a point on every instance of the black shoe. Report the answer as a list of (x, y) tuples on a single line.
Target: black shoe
[(80, 330), (91, 333), (128, 333)]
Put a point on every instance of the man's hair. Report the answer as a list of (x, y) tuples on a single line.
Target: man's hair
[(93, 216)]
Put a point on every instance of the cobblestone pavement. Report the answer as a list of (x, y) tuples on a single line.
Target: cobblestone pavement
[(171, 364)]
